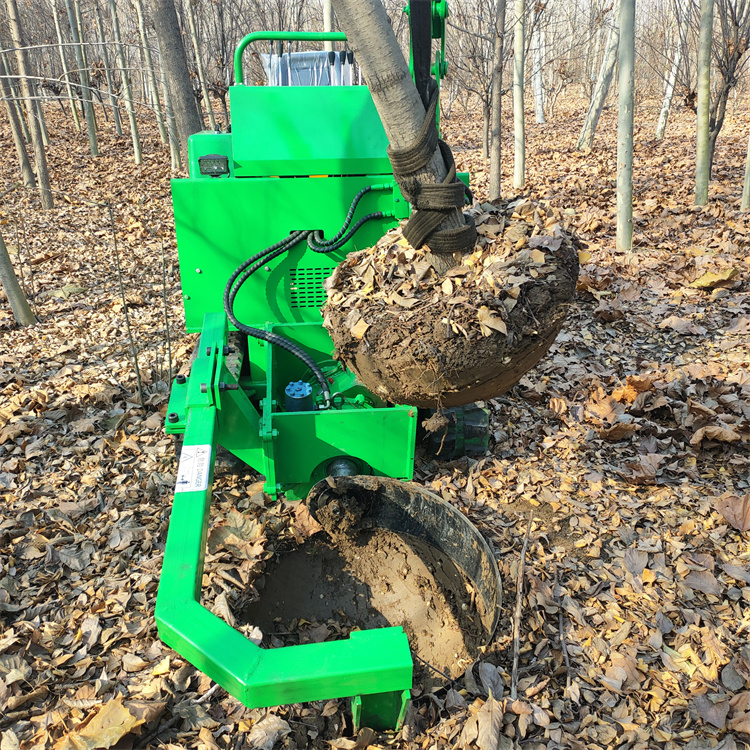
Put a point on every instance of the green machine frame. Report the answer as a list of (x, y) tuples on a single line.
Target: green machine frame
[(296, 157)]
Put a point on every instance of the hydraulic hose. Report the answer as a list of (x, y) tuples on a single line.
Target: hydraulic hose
[(316, 242)]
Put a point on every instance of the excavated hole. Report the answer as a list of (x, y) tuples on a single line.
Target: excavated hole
[(370, 579)]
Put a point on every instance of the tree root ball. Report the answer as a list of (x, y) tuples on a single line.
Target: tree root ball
[(414, 336)]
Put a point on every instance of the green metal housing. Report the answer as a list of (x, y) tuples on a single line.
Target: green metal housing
[(296, 157)]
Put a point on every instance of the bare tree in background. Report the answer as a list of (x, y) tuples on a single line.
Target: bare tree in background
[(40, 158), (497, 101), (683, 21), (16, 131), (18, 302), (703, 148), (624, 241), (603, 82), (125, 77), (174, 61), (519, 126), (83, 72), (730, 48)]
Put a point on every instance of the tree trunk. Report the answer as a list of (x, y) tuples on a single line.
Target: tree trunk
[(15, 128), (150, 70), (174, 140), (624, 241), (519, 127), (669, 92), (88, 107), (746, 187), (199, 64), (125, 74), (40, 158), (586, 139), (18, 302), (64, 62), (486, 107), (39, 112), (497, 93), (536, 74), (174, 62), (327, 23), (399, 105), (108, 70), (703, 147), (14, 92)]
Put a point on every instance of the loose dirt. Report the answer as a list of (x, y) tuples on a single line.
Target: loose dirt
[(373, 579)]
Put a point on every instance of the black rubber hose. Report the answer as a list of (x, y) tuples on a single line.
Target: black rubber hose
[(317, 243)]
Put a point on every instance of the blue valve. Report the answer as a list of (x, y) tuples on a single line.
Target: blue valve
[(298, 396)]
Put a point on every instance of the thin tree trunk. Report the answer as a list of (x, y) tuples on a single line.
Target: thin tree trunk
[(174, 62), (497, 89), (592, 63), (519, 126), (150, 70), (18, 302), (667, 103), (39, 113), (124, 73), (586, 139), (327, 23), (64, 62), (40, 158), (486, 108), (83, 73), (199, 64), (15, 95), (703, 147), (746, 187), (624, 242), (15, 127), (536, 74), (108, 70)]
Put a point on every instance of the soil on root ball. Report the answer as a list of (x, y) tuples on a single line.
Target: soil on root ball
[(413, 336)]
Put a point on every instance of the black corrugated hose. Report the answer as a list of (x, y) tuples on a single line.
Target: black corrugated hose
[(318, 244)]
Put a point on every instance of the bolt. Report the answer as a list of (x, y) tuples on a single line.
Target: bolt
[(181, 380), (173, 417), (228, 350), (198, 270), (208, 351), (187, 297), (267, 268), (204, 388), (228, 386)]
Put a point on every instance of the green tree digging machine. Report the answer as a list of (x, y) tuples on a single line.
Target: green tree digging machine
[(304, 174)]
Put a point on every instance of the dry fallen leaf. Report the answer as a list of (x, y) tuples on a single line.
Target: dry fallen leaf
[(489, 322), (736, 510), (105, 728)]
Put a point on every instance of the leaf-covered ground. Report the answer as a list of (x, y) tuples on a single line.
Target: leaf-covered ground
[(626, 450)]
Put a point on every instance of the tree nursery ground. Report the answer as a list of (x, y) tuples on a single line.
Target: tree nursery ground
[(624, 454)]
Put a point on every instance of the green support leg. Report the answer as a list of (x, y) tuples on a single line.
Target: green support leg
[(374, 664)]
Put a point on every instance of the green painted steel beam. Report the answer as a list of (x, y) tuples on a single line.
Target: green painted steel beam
[(367, 663)]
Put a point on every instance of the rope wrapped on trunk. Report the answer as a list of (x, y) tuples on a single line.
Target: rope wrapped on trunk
[(432, 203)]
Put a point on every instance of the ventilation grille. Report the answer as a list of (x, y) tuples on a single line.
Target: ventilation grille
[(306, 287)]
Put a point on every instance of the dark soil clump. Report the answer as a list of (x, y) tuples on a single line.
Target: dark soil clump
[(415, 337)]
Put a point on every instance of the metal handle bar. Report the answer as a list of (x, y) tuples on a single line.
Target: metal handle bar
[(284, 36)]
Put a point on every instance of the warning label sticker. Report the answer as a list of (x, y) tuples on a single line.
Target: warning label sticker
[(195, 465)]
